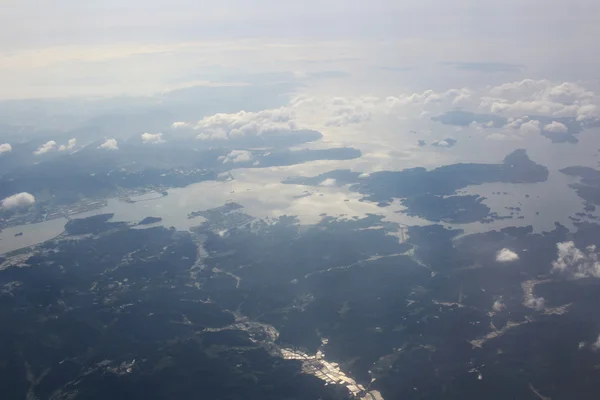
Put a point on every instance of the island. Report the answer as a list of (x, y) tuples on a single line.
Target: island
[(149, 220)]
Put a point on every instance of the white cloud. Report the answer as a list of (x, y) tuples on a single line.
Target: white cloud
[(501, 136), (18, 200), (530, 128), (514, 100), (69, 146), (45, 148), (498, 306), (587, 112), (328, 182), (514, 123), (506, 255), (596, 344), (237, 156), (227, 126), (536, 303), (575, 262), (5, 148), (448, 142), (519, 88), (109, 144), (542, 97), (153, 138), (556, 127)]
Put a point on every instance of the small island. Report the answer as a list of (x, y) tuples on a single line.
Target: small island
[(149, 220)]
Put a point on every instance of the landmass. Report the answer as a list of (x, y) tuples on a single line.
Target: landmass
[(275, 309), (425, 192), (149, 220)]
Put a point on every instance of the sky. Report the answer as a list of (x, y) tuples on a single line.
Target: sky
[(86, 48), (365, 74)]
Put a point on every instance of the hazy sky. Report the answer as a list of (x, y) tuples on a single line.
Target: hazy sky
[(68, 47)]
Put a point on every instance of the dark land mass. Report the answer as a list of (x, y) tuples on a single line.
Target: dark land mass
[(149, 220), (589, 187), (214, 212), (455, 209), (423, 190), (132, 313), (118, 316), (93, 225), (92, 173)]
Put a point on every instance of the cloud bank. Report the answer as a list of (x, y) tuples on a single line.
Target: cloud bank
[(18, 200), (237, 156), (576, 263), (509, 111)]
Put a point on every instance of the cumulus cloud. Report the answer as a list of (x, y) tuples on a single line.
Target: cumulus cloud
[(237, 156), (455, 97), (596, 344), (514, 99), (530, 128), (45, 148), (587, 112), (18, 200), (69, 146), (448, 142), (498, 306), (576, 263), (519, 102), (227, 126), (536, 303), (109, 144), (542, 97), (514, 123), (329, 182), (153, 138), (5, 148), (556, 127), (506, 255)]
